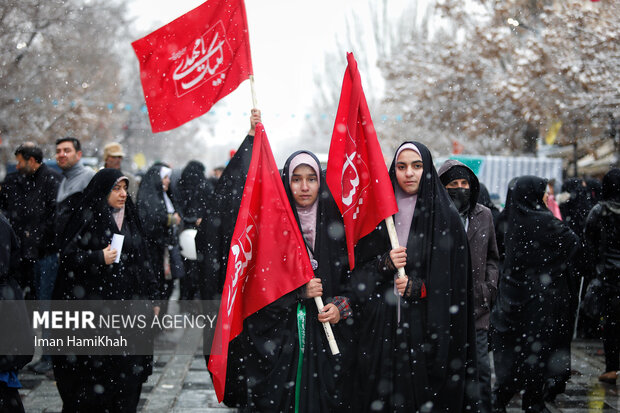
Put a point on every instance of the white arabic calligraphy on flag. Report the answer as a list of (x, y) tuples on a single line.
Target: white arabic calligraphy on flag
[(202, 64)]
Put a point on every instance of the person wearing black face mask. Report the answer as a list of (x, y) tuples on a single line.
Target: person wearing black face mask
[(463, 187)]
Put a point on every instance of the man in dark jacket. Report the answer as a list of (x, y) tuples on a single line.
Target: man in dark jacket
[(28, 197), (463, 187), (75, 178)]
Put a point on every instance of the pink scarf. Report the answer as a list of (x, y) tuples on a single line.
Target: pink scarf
[(554, 207)]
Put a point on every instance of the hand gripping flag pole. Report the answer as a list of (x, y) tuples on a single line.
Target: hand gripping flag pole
[(389, 223), (333, 346)]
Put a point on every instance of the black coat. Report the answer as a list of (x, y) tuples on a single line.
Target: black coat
[(30, 205), (405, 366), (273, 364), (532, 311)]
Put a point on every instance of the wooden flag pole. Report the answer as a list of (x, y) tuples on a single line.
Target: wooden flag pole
[(389, 222), (328, 328)]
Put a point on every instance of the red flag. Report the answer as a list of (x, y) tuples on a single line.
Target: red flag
[(356, 171), (194, 61), (457, 147), (267, 257)]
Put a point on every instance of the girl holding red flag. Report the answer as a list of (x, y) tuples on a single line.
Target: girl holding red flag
[(416, 337), (290, 367)]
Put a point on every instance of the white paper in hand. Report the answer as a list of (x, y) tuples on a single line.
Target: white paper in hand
[(117, 244)]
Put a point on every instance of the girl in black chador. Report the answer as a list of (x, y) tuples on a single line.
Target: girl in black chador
[(290, 367), (532, 326), (159, 220), (416, 337), (88, 272)]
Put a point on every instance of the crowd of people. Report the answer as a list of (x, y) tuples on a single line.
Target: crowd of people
[(480, 284)]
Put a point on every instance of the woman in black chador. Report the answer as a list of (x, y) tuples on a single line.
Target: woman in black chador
[(531, 317), (576, 202), (426, 361), (289, 366), (88, 272), (159, 220), (602, 236), (195, 193)]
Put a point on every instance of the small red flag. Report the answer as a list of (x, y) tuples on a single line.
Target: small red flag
[(194, 61), (267, 257), (356, 172), (457, 147)]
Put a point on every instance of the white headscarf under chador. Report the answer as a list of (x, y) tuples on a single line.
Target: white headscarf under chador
[(166, 172), (406, 203), (307, 215)]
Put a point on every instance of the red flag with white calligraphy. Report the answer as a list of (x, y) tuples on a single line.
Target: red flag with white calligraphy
[(356, 172), (267, 257), (189, 64)]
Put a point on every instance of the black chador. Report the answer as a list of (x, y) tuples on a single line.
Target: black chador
[(155, 209), (279, 375), (427, 361), (212, 246), (532, 313), (103, 383)]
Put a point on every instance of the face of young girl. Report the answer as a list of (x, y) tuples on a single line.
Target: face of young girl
[(409, 169), (304, 185), (118, 195)]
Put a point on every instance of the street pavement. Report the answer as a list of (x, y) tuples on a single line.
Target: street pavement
[(180, 383)]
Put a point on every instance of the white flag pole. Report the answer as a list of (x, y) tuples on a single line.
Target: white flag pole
[(254, 101), (389, 222), (328, 328)]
